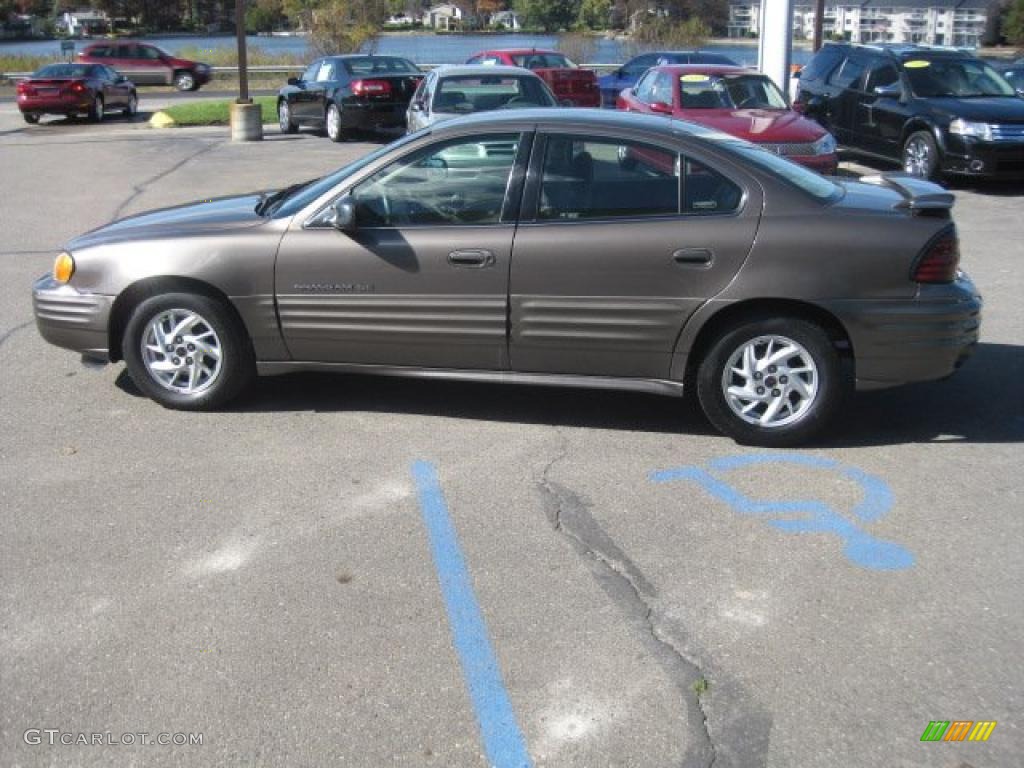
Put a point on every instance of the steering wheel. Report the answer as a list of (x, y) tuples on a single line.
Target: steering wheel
[(747, 101)]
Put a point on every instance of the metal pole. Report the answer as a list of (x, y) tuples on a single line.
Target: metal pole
[(819, 22), (775, 41), (243, 64)]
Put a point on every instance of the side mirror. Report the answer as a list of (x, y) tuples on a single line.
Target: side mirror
[(121, 79), (342, 215), (416, 106), (890, 91), (1020, 90), (661, 108), (813, 104), (293, 81)]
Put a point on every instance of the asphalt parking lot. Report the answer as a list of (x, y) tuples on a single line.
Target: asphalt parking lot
[(625, 586)]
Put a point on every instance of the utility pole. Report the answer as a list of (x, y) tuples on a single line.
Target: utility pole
[(776, 38), (246, 117), (819, 22), (243, 64)]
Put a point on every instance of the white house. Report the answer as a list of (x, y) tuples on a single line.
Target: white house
[(507, 19), (932, 22), (446, 16), (84, 22)]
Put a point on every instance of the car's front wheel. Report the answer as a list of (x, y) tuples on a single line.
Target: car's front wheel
[(132, 108), (772, 382), (921, 155), (185, 81), (335, 131), (187, 351)]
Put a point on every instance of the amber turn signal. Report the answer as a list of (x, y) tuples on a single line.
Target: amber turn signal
[(63, 267)]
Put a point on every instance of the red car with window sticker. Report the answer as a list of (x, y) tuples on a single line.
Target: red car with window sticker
[(573, 86)]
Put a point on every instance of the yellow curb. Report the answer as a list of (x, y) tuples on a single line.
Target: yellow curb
[(162, 120)]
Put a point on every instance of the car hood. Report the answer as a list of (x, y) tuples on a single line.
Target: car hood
[(757, 125), (204, 217), (995, 109)]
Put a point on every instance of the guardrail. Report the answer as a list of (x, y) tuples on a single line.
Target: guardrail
[(284, 69)]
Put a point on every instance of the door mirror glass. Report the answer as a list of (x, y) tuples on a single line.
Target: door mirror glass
[(342, 215), (416, 106), (661, 108), (890, 91)]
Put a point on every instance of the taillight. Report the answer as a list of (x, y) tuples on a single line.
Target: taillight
[(371, 87), (21, 87), (77, 87), (939, 259)]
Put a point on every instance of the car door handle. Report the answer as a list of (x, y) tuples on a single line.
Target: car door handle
[(694, 257), (476, 258)]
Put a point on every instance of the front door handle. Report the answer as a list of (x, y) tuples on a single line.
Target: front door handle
[(476, 258), (694, 257)]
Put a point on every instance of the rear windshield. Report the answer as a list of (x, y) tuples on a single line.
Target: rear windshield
[(542, 61), (63, 70), (379, 65), (961, 78), (738, 92), (462, 95)]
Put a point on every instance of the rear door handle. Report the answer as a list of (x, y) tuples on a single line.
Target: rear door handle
[(694, 257), (475, 258)]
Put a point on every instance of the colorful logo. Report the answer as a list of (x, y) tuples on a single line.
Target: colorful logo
[(958, 730)]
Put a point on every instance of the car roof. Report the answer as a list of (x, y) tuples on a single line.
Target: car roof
[(909, 50), (705, 69), (484, 69), (522, 50), (575, 120)]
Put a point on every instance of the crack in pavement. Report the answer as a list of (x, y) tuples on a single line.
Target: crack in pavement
[(568, 514), (7, 334), (139, 189)]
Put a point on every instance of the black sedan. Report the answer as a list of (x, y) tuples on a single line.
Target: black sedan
[(343, 94)]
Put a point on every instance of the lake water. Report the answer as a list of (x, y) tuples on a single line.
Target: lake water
[(420, 48)]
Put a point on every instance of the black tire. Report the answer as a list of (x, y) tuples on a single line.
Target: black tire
[(337, 133), (185, 81), (237, 366), (132, 108), (30, 118), (833, 383), (284, 117), (96, 110), (920, 155)]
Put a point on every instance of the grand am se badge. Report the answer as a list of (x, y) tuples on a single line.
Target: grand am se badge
[(334, 287)]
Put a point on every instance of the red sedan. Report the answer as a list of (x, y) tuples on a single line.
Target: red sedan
[(76, 89), (735, 101), (572, 86)]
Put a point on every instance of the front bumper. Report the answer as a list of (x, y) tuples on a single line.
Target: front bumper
[(71, 319), (908, 340), (994, 159)]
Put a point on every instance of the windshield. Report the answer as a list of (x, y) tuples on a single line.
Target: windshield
[(962, 78), (736, 92), (305, 195), (542, 61), (380, 65), (63, 70), (462, 95)]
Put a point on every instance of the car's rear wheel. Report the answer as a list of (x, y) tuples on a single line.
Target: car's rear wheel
[(332, 120), (185, 81), (773, 382), (96, 110), (187, 351), (921, 155), (30, 119), (284, 117), (132, 107)]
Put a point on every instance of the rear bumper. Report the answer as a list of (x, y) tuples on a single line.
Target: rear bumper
[(921, 339), (71, 319), (373, 117), (57, 105)]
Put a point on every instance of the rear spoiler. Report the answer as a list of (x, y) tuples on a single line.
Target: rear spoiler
[(918, 194)]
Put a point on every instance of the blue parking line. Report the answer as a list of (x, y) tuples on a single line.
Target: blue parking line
[(503, 741)]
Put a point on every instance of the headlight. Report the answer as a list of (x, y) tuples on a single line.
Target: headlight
[(826, 145), (961, 127), (63, 267)]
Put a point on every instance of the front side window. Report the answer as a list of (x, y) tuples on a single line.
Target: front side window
[(661, 88), (643, 88), (465, 94), (459, 182), (881, 74), (309, 76), (148, 53), (848, 74), (325, 73), (588, 178)]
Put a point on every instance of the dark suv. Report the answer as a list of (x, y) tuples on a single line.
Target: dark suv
[(932, 110)]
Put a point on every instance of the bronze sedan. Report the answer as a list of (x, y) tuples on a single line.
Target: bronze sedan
[(570, 248)]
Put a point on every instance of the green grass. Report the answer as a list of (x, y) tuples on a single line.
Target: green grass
[(217, 112)]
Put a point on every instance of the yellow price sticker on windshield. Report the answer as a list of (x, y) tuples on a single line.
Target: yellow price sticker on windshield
[(694, 78), (917, 64)]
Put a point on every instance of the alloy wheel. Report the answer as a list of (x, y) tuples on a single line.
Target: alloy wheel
[(770, 381), (917, 157), (181, 351)]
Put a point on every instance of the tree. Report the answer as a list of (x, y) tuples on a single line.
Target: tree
[(549, 15), (264, 15), (595, 14), (346, 26), (1013, 23)]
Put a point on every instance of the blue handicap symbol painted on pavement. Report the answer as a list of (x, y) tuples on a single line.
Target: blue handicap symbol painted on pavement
[(807, 516)]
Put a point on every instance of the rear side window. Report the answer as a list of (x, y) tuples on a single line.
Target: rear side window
[(99, 52), (822, 64), (705, 190), (587, 178), (848, 74)]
